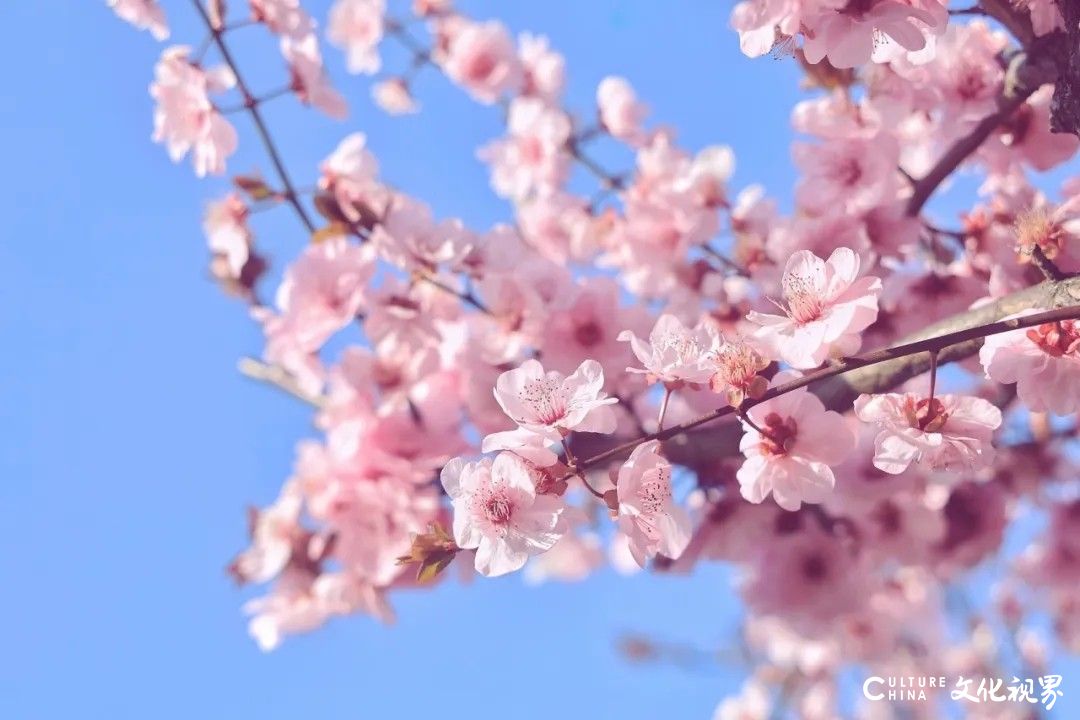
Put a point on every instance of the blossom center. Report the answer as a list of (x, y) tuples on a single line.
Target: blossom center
[(543, 396), (814, 568), (480, 67), (498, 509), (780, 434), (588, 334), (926, 415), (1057, 339), (655, 490), (804, 303), (737, 364)]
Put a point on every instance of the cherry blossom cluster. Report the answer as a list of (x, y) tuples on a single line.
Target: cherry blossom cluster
[(549, 395)]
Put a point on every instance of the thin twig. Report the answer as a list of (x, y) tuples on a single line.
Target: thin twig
[(725, 260), (252, 106), (278, 377)]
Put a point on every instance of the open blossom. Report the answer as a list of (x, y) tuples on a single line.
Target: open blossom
[(283, 17), (324, 289), (227, 231), (545, 69), (350, 174), (356, 26), (675, 353), (551, 405), (793, 459), (533, 158), (620, 112), (860, 30), (950, 432), (736, 365), (708, 174), (853, 174), (498, 512), (827, 306), (648, 516), (481, 58), (309, 80), (1044, 362), (185, 119), (143, 14), (276, 534)]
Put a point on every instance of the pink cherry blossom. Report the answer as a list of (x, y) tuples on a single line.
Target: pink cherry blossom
[(394, 97), (648, 516), (792, 459), (283, 17), (498, 512), (764, 24), (544, 69), (350, 175), (309, 79), (967, 72), (322, 292), (143, 14), (551, 405), (558, 225), (707, 175), (533, 158), (585, 323), (275, 535), (1044, 362), (808, 578), (827, 305), (850, 174), (674, 353), (356, 26), (227, 232), (481, 58), (950, 432), (848, 36), (185, 119), (620, 112), (1045, 16)]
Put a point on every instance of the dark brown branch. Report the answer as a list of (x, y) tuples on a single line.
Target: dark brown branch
[(886, 368), (252, 106), (1046, 266), (955, 155)]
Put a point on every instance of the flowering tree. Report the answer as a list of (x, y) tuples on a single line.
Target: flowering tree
[(665, 372)]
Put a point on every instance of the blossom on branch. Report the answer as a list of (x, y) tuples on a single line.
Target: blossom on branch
[(790, 447), (552, 405), (481, 58), (676, 354), (185, 119), (356, 26), (648, 516), (1043, 361), (826, 306), (948, 432), (498, 512), (143, 14)]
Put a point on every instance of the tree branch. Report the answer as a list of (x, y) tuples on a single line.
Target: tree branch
[(955, 155), (842, 381), (252, 106)]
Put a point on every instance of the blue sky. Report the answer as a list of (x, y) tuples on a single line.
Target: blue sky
[(130, 445)]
